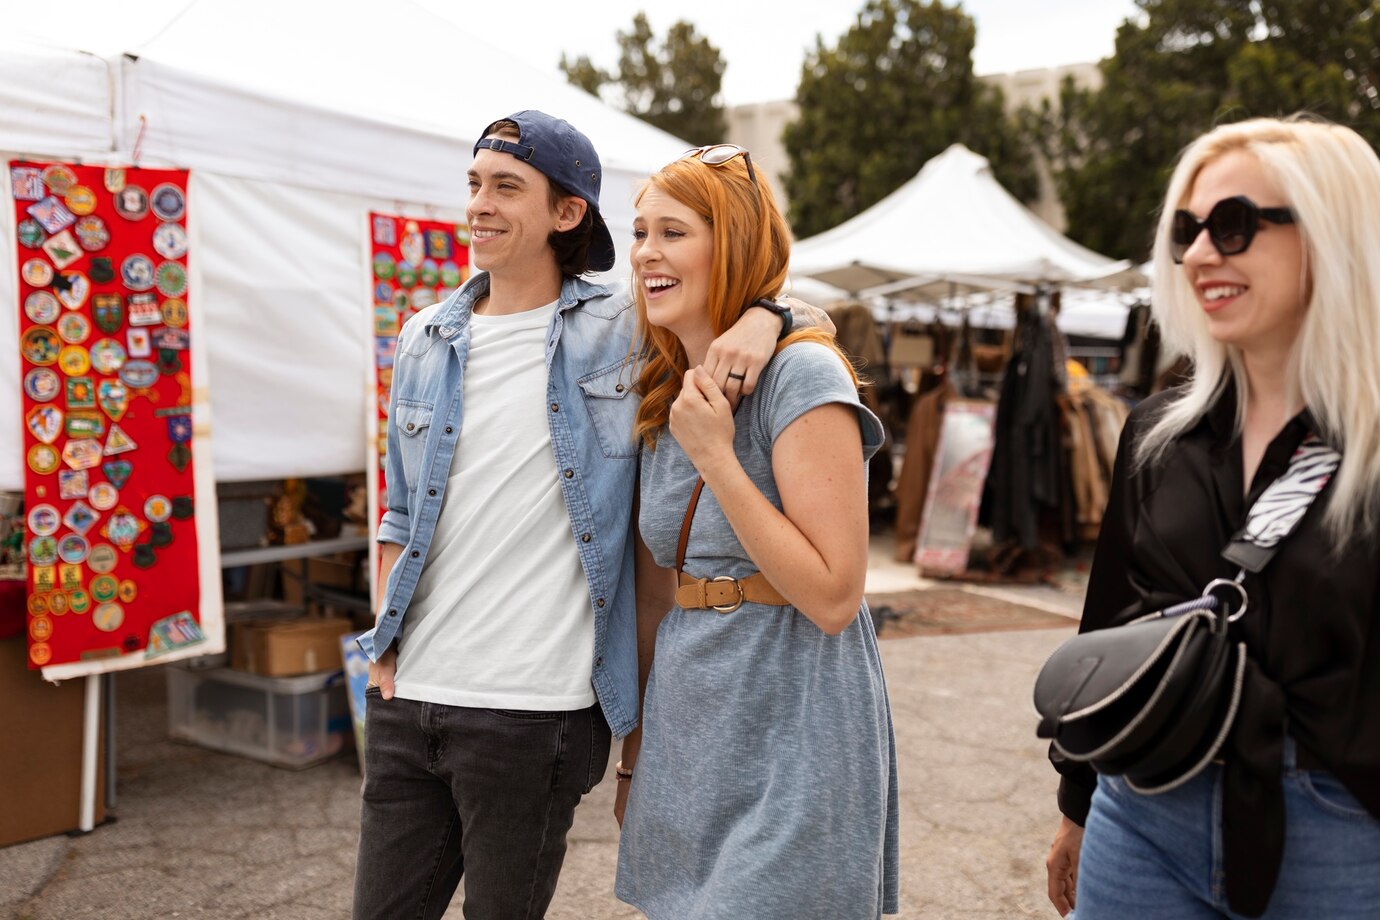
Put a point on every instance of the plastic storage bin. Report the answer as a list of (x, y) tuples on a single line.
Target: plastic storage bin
[(291, 722)]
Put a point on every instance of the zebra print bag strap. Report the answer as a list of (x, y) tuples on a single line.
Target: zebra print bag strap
[(1279, 509)]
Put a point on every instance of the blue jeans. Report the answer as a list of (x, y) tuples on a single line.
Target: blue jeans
[(1159, 857), (484, 793)]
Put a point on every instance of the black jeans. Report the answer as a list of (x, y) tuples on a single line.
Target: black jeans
[(484, 793)]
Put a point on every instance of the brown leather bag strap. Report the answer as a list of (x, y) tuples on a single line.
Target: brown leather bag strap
[(685, 525)]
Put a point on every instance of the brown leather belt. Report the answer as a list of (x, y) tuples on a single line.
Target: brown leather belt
[(726, 594), (721, 593)]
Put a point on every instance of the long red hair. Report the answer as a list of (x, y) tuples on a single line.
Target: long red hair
[(751, 254)]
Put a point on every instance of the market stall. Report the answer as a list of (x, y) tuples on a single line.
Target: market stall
[(289, 149)]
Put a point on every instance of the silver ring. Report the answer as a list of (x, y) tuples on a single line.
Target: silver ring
[(1227, 582)]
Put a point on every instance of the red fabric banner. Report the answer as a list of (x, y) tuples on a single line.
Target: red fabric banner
[(414, 264), (106, 363)]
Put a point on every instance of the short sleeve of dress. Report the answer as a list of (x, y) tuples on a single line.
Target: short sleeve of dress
[(799, 378)]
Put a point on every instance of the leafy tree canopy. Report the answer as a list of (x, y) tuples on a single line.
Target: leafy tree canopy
[(1183, 66), (897, 89), (674, 86)]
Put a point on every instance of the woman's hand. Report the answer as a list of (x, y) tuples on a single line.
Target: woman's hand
[(736, 358), (1061, 865), (702, 421)]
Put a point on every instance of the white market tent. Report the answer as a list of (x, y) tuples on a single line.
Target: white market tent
[(952, 226), (295, 122)]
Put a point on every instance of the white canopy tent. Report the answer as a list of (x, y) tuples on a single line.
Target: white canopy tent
[(952, 223), (295, 124)]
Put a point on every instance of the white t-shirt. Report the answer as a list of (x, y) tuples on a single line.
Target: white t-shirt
[(501, 616)]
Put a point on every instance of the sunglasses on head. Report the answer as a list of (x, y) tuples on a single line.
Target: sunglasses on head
[(1231, 225), (719, 154)]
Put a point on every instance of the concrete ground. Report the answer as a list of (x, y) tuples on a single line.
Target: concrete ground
[(202, 834)]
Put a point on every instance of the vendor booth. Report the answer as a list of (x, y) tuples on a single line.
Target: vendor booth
[(303, 193), (981, 306)]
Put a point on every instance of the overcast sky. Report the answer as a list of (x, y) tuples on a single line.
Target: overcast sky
[(765, 43)]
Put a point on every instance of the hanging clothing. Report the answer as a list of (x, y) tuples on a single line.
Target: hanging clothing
[(913, 483), (1029, 471)]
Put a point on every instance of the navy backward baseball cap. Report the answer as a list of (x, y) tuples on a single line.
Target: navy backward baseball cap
[(554, 148)]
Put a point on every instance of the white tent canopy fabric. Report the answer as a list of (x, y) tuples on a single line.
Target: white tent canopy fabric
[(294, 129), (952, 220)]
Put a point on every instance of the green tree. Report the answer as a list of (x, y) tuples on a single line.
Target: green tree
[(1183, 66), (674, 86), (897, 89)]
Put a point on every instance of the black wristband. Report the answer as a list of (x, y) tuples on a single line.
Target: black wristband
[(781, 310)]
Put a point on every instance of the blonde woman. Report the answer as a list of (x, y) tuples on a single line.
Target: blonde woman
[(765, 784), (1267, 274)]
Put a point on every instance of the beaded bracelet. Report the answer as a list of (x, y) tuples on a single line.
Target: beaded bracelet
[(623, 774)]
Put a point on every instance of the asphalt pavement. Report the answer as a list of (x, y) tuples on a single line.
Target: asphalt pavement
[(200, 834)]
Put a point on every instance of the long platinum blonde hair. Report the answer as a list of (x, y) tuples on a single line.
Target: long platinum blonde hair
[(1330, 177)]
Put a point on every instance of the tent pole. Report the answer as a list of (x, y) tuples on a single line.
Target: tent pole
[(91, 725), (109, 685)]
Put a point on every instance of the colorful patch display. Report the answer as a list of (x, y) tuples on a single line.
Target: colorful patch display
[(42, 385), (105, 339), (107, 356), (44, 520), (103, 496), (171, 279), (174, 311), (74, 328), (42, 307), (80, 200), (44, 459), (74, 360), (27, 183), (137, 272), (61, 249), (51, 214), (73, 288), (73, 483), (138, 343), (410, 259), (40, 345), (170, 241), (167, 202), (92, 233), (132, 203), (59, 178), (143, 310), (36, 272)]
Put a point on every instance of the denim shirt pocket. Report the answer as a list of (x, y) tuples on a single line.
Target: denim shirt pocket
[(610, 410), (413, 421)]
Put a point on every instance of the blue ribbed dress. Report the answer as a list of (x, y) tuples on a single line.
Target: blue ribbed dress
[(766, 783)]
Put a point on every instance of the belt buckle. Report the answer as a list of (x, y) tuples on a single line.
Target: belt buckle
[(736, 604)]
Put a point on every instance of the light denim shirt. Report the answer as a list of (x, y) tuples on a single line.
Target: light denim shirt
[(591, 408)]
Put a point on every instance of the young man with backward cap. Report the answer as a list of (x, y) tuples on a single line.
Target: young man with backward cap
[(505, 652)]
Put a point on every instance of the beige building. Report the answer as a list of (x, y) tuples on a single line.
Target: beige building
[(759, 127)]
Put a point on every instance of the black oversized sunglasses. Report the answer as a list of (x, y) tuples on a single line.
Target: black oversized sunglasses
[(719, 154), (1231, 225)]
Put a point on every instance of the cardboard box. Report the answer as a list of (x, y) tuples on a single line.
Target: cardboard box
[(286, 649), (339, 571), (40, 774)]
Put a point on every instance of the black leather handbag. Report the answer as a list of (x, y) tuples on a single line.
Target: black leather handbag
[(1154, 699)]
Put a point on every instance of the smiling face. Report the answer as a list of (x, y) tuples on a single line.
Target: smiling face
[(1253, 300), (672, 254), (510, 215)]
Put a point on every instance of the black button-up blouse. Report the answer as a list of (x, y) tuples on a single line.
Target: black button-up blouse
[(1311, 630)]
